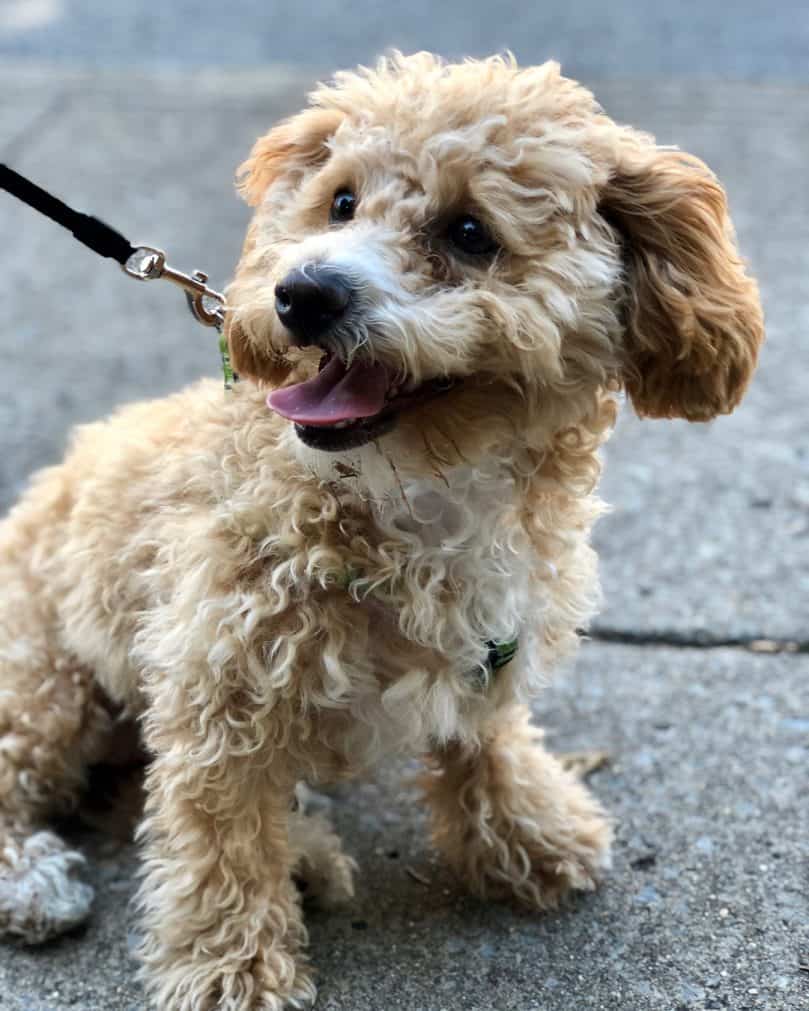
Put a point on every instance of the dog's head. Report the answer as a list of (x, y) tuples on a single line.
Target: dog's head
[(473, 254)]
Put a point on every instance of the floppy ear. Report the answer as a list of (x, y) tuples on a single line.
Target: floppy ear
[(288, 149), (296, 142), (693, 318)]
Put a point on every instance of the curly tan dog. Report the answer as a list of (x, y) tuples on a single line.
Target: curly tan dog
[(450, 273)]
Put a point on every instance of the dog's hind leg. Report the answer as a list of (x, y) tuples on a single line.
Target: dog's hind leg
[(51, 725), (323, 870)]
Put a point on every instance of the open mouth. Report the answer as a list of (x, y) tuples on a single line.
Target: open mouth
[(346, 406)]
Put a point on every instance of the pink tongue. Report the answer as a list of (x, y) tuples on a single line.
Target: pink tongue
[(337, 393)]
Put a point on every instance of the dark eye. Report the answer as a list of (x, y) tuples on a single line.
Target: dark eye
[(471, 236), (342, 207)]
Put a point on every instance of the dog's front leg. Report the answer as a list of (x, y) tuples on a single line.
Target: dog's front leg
[(223, 927), (510, 819)]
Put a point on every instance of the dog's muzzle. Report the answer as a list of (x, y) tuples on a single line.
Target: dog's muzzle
[(311, 300), (348, 403)]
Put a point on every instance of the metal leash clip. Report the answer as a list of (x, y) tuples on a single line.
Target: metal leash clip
[(207, 306), (144, 263)]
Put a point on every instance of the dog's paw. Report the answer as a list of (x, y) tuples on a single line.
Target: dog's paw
[(274, 981), (328, 882), (303, 996), (574, 864), (41, 895), (324, 872), (250, 994), (512, 820), (540, 867)]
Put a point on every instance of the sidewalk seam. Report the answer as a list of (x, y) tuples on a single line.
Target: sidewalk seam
[(759, 643)]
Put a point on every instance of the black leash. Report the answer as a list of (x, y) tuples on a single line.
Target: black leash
[(90, 231), (144, 263)]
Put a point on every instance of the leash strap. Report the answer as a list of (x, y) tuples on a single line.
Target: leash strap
[(143, 263), (90, 231)]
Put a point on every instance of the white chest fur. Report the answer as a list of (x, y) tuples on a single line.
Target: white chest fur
[(463, 577), (465, 562), (468, 561), (459, 571)]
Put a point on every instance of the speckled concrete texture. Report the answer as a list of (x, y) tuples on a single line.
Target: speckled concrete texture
[(705, 908)]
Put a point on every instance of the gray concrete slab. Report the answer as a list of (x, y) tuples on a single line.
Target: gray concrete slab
[(710, 529), (706, 907), (22, 112), (742, 39)]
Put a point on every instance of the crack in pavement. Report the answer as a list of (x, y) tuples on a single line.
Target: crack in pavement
[(762, 644)]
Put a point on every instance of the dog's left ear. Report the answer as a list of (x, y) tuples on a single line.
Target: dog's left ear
[(295, 143), (692, 316)]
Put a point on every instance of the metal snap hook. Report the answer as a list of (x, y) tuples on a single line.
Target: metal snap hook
[(148, 263)]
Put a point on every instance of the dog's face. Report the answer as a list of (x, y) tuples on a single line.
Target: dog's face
[(471, 256)]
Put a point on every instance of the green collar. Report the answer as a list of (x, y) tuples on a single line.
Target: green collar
[(227, 366), (500, 653)]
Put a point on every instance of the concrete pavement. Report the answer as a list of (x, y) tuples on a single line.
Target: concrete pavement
[(725, 39), (707, 905)]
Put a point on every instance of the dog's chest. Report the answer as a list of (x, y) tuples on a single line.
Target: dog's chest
[(465, 570), (461, 580)]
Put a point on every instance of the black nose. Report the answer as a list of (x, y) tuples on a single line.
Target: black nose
[(309, 302)]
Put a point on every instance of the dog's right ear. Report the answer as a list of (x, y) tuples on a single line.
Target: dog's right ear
[(297, 142), (289, 148)]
